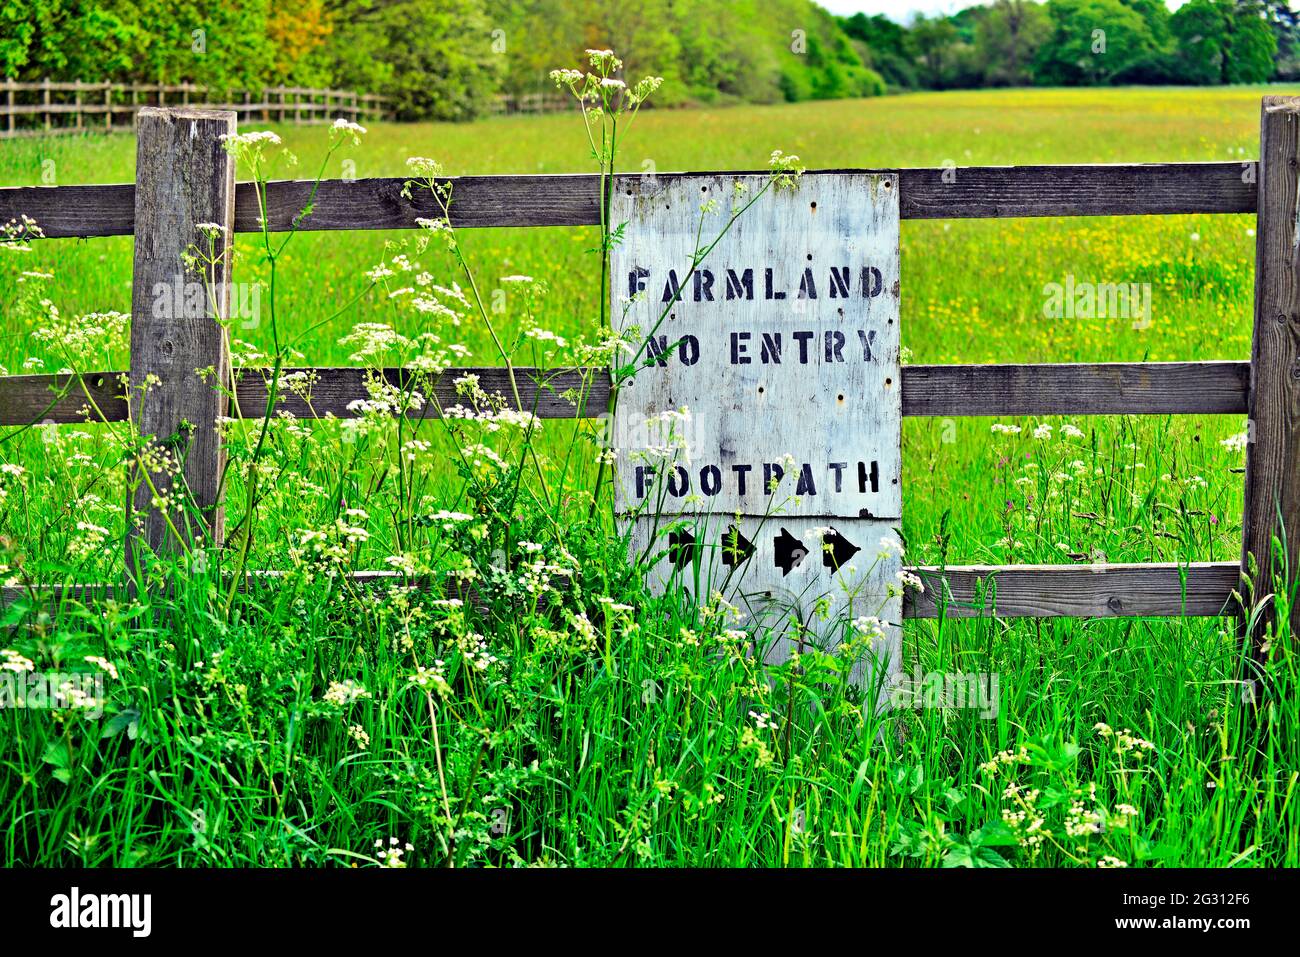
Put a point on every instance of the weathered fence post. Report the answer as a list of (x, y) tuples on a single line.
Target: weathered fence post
[(184, 177), (1273, 452)]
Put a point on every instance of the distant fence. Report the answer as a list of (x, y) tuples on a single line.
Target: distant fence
[(181, 156), (48, 108), (551, 102)]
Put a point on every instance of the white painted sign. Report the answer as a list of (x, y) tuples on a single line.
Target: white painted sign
[(758, 436)]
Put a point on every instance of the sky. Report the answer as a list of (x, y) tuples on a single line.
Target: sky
[(902, 10)]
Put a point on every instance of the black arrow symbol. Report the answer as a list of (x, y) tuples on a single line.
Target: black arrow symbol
[(736, 548), (837, 550), (681, 547), (790, 552)]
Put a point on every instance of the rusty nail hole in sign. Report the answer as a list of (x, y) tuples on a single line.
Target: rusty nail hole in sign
[(841, 397), (889, 382), (813, 206), (760, 390)]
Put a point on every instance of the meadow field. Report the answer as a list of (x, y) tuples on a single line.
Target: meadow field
[(576, 720)]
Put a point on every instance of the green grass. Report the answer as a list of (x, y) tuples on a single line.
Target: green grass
[(640, 747)]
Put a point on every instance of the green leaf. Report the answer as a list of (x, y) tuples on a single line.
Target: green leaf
[(127, 721), (56, 753), (994, 834)]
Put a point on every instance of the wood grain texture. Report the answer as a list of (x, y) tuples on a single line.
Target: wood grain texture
[(184, 177), (1021, 591), (570, 200), (1272, 488), (1109, 388), (1199, 589), (62, 399), (552, 394), (1102, 388)]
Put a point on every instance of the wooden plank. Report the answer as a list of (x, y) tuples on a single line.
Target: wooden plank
[(56, 399), (1272, 492), (1022, 591), (1103, 388), (1149, 388), (978, 192), (61, 399), (570, 200), (1199, 589), (184, 177), (68, 211), (335, 389)]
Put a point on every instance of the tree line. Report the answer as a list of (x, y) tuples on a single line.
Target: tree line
[(1084, 43), (447, 59)]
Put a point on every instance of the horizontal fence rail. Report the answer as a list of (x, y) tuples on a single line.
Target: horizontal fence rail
[(1106, 388), (1197, 590), (976, 192)]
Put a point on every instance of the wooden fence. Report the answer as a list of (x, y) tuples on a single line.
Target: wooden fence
[(184, 178), (45, 108), (549, 101)]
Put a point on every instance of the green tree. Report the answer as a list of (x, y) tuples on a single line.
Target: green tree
[(1199, 31), (225, 46), (1154, 67), (66, 39), (432, 58), (1250, 44), (1286, 28), (884, 46), (1007, 39), (1224, 41), (935, 40), (1093, 42)]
